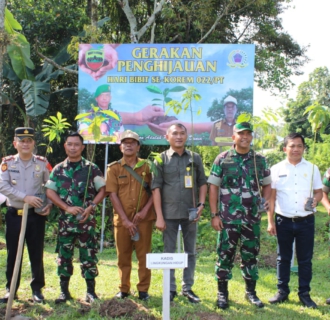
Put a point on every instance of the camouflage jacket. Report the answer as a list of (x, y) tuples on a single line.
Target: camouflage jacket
[(237, 178), (70, 182)]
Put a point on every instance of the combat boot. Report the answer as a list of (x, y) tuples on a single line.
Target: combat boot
[(251, 294), (91, 295), (222, 301), (65, 294)]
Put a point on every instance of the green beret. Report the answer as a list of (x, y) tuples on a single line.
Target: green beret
[(243, 126), (102, 89)]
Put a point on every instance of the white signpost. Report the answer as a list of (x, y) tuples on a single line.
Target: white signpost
[(167, 261)]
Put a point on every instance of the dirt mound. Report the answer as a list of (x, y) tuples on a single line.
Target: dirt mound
[(118, 308)]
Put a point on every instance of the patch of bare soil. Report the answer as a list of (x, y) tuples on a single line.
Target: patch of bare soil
[(204, 316), (118, 308), (2, 246), (84, 308)]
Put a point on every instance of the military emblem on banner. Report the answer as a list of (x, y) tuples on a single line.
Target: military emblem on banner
[(94, 59), (237, 59)]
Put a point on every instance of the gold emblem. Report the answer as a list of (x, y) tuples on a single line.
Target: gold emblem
[(37, 167), (14, 182), (26, 131), (4, 167)]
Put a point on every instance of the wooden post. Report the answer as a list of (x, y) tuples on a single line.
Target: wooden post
[(17, 262)]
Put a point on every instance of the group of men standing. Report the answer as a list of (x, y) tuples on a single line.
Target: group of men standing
[(240, 183)]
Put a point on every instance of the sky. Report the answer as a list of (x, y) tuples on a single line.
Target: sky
[(307, 21)]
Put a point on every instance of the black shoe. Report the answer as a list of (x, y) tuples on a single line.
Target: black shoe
[(37, 296), (173, 294), (144, 296), (306, 300), (327, 301), (191, 296), (91, 297), (6, 297), (63, 297), (279, 297), (253, 298), (121, 295), (222, 300)]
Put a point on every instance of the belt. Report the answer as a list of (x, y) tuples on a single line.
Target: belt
[(19, 212), (296, 219)]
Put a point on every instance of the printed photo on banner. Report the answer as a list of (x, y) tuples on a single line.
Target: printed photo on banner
[(148, 87)]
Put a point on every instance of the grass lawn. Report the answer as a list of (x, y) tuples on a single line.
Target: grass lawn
[(205, 285)]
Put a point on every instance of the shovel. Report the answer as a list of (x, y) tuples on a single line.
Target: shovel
[(17, 262)]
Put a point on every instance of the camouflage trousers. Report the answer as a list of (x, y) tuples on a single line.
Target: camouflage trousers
[(69, 233), (249, 237)]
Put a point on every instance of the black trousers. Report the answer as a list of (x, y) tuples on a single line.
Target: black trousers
[(34, 237)]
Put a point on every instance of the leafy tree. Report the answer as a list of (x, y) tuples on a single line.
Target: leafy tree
[(315, 91)]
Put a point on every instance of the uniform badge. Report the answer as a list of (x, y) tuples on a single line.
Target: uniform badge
[(37, 167), (13, 166), (4, 167), (14, 182)]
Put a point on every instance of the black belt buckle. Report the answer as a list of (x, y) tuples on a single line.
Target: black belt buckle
[(298, 219)]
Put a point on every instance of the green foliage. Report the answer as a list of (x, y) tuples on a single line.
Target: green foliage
[(320, 155), (166, 99), (312, 95), (318, 117), (274, 157), (94, 120), (35, 99), (19, 48), (54, 127)]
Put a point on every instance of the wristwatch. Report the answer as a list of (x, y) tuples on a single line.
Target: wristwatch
[(93, 205), (214, 215)]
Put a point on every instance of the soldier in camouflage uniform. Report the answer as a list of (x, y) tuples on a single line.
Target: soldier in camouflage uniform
[(239, 173), (66, 187)]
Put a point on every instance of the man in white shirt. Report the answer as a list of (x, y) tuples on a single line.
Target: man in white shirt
[(293, 181)]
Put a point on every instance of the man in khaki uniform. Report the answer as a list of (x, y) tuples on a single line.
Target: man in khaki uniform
[(21, 178), (222, 130), (131, 214)]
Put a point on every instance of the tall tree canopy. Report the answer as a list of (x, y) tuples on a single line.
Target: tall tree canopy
[(313, 91)]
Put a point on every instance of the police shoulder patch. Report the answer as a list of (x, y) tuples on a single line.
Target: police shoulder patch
[(4, 167), (8, 158), (43, 159)]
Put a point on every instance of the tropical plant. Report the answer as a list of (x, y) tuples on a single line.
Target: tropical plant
[(53, 129), (319, 118), (166, 99)]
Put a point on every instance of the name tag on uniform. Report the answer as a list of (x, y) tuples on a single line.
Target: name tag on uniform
[(283, 176)]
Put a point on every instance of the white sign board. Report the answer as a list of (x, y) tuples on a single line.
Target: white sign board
[(167, 260)]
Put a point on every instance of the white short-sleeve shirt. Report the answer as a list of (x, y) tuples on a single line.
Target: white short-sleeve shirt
[(293, 185)]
